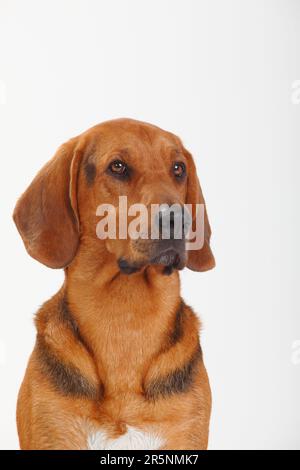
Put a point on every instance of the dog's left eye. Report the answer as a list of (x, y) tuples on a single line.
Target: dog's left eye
[(179, 169), (118, 168)]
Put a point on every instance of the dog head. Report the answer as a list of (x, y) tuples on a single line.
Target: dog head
[(59, 211)]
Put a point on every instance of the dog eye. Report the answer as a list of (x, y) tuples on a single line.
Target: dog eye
[(179, 169), (118, 168)]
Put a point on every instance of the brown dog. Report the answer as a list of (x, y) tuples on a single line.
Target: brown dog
[(117, 362)]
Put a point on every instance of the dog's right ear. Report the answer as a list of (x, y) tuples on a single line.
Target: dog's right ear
[(46, 214)]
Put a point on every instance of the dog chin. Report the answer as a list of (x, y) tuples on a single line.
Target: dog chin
[(170, 259)]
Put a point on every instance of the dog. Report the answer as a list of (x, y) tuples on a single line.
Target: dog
[(117, 362)]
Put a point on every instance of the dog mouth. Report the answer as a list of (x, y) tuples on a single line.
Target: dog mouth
[(169, 258)]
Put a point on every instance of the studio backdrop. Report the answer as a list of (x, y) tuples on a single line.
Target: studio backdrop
[(225, 77)]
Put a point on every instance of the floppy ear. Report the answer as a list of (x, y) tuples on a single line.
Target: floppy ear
[(46, 214), (202, 259)]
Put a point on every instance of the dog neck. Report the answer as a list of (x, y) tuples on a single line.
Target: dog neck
[(124, 319)]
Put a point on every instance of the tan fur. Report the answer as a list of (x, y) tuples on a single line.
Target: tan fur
[(124, 321)]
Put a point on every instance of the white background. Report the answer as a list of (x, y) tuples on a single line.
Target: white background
[(220, 75)]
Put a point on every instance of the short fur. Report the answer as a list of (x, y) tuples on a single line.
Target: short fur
[(117, 350)]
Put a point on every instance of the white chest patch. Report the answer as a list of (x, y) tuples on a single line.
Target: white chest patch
[(133, 439)]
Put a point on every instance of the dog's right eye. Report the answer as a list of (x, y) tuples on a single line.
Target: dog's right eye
[(118, 168)]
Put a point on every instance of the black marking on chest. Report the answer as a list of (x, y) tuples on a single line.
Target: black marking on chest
[(66, 378), (66, 317), (177, 332), (178, 381), (68, 320)]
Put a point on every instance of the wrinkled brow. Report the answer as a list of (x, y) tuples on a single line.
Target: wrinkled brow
[(177, 154)]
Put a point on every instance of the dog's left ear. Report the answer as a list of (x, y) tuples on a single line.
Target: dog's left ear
[(46, 214), (203, 258)]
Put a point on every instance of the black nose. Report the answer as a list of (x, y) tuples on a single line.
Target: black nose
[(172, 221)]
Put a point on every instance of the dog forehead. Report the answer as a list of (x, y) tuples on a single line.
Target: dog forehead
[(131, 135)]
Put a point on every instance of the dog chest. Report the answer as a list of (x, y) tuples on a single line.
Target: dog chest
[(132, 439)]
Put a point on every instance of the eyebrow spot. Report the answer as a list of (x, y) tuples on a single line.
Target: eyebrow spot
[(90, 172)]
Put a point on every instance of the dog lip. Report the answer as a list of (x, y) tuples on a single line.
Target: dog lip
[(126, 267), (167, 257)]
